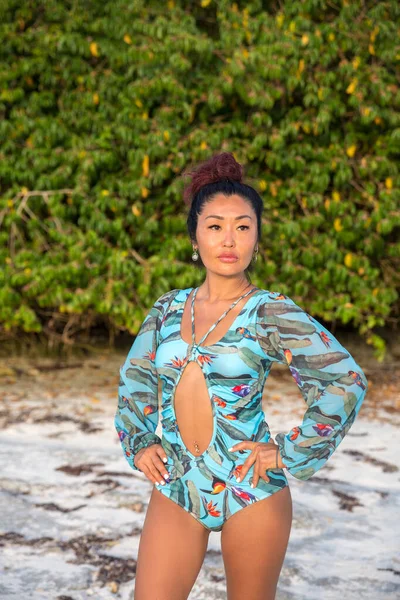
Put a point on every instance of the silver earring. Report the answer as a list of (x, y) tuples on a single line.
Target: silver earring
[(195, 255), (255, 255)]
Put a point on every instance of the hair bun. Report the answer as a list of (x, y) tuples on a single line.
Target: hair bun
[(217, 168)]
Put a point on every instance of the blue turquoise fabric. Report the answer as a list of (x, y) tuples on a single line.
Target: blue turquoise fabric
[(270, 328)]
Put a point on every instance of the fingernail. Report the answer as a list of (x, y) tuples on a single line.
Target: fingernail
[(165, 459), (237, 478), (252, 485), (166, 476), (162, 482), (230, 449)]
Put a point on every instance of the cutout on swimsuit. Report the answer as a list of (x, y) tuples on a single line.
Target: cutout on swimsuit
[(193, 408)]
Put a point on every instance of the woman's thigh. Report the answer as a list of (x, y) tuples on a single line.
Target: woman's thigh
[(171, 551), (254, 542)]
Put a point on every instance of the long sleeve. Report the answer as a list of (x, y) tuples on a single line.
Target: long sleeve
[(136, 417), (332, 383)]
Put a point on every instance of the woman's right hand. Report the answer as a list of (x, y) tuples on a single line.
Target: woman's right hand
[(150, 461)]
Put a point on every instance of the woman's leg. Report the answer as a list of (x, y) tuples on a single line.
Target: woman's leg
[(171, 551), (254, 542)]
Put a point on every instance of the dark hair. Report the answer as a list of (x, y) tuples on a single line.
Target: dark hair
[(219, 174)]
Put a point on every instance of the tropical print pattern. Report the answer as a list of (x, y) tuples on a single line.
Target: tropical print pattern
[(270, 328)]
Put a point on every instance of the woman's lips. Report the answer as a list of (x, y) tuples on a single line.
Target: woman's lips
[(228, 259)]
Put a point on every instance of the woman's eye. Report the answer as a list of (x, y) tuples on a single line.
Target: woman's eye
[(245, 226)]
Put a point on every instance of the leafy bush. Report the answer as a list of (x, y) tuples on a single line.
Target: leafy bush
[(103, 105)]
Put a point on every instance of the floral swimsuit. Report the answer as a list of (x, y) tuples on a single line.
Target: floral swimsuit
[(270, 328)]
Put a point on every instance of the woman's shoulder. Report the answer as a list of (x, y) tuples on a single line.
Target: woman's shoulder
[(166, 298), (272, 296), (275, 303)]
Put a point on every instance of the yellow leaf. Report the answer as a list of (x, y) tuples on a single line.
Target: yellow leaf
[(136, 210), (245, 53), (8, 260), (361, 271), (371, 49), (378, 120), (205, 3), (282, 236), (305, 39), (351, 150), (145, 166), (375, 291), (24, 190), (127, 39), (262, 184), (388, 183), (145, 116), (96, 98), (331, 37), (280, 19), (203, 146), (138, 103), (374, 33), (166, 136), (273, 188), (350, 89), (348, 259), (336, 196), (105, 193), (145, 192), (320, 94), (27, 271), (304, 202), (171, 4), (9, 203), (327, 204), (365, 111), (337, 224), (94, 51), (292, 26), (301, 65), (356, 62)]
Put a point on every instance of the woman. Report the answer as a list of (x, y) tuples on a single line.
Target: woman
[(212, 347)]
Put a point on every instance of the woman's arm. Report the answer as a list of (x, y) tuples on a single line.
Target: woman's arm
[(331, 382), (136, 417)]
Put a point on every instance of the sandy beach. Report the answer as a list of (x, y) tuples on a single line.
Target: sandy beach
[(72, 510)]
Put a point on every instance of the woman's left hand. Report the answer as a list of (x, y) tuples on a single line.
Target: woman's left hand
[(263, 457)]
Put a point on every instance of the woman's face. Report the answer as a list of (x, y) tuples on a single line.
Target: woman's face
[(226, 226)]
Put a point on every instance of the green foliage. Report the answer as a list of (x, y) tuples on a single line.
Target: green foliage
[(104, 103)]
